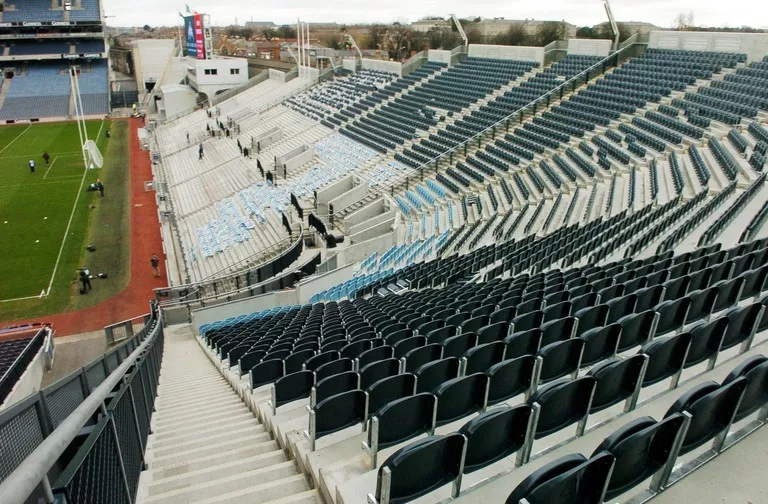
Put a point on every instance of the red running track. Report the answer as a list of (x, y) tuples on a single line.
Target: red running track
[(145, 240)]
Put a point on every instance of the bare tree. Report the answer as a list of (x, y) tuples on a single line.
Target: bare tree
[(684, 21), (550, 31)]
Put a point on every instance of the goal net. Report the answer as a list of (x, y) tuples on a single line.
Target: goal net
[(95, 159)]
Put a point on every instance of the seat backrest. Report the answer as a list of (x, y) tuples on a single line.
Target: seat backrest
[(295, 361), (336, 413), (403, 347), (389, 389), (460, 397), (395, 337), (617, 379), (402, 419), (563, 402), (440, 334), (421, 355), (702, 303), (558, 330), (567, 480), (334, 367), (528, 321), (494, 435), (375, 354), (589, 318), (560, 358), (378, 370), (510, 378), (755, 370), (667, 356), (421, 467), (334, 384), (433, 374), (712, 408), (742, 324), (493, 332), (600, 343), (457, 346), (320, 359), (292, 387), (672, 314), (504, 314), (641, 448), (706, 339), (266, 372), (481, 357), (523, 343)]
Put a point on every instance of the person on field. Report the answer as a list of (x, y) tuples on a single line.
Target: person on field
[(46, 157), (155, 261), (100, 187), (200, 152), (32, 166), (187, 136), (85, 281)]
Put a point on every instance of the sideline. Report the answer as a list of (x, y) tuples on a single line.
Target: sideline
[(12, 141)]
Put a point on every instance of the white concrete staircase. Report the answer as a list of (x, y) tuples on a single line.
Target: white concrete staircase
[(206, 446)]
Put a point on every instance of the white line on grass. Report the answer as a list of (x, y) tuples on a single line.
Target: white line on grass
[(71, 216), (21, 298), (17, 137), (50, 166), (99, 133)]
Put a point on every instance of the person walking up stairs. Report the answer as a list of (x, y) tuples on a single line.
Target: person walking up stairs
[(206, 446)]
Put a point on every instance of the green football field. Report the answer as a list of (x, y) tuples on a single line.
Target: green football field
[(45, 216)]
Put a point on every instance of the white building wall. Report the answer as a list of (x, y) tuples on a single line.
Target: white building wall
[(154, 56), (754, 45), (589, 47), (520, 53), (439, 56), (224, 78), (394, 67)]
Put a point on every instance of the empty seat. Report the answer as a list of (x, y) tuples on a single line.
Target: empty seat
[(420, 468), (755, 371), (457, 346), (389, 389), (561, 358), (333, 385), (336, 413), (568, 480), (378, 370), (600, 343), (494, 435), (617, 380), (480, 358), (667, 356), (460, 397), (433, 374), (292, 387), (512, 377), (558, 330)]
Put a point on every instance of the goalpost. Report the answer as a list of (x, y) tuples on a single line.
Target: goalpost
[(92, 157)]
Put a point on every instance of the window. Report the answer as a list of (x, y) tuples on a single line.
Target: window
[(234, 71), (211, 71)]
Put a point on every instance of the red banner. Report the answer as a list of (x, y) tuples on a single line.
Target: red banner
[(199, 36)]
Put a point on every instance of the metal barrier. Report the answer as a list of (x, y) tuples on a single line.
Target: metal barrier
[(120, 331), (16, 369), (44, 439)]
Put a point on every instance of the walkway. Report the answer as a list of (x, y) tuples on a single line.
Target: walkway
[(145, 239)]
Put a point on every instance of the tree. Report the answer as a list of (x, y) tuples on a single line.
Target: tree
[(549, 31), (286, 32), (517, 35), (269, 34), (146, 27), (375, 36), (398, 41), (441, 38), (684, 21), (332, 40), (585, 32)]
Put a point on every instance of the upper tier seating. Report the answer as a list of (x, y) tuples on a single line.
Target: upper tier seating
[(43, 91), (24, 48), (33, 10)]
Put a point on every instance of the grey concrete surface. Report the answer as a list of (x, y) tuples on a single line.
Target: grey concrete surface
[(74, 352)]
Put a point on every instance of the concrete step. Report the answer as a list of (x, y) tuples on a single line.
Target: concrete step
[(203, 418), (211, 473), (184, 428), (208, 430), (221, 401), (265, 492), (228, 484), (308, 497), (268, 450), (177, 456), (168, 447), (170, 401)]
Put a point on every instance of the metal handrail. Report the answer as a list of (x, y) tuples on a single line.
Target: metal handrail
[(196, 286), (20, 484), (390, 184)]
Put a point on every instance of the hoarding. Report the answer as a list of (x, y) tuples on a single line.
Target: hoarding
[(193, 28)]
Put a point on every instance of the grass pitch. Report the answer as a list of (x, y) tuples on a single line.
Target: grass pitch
[(45, 219)]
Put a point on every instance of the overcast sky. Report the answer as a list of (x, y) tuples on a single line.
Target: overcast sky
[(580, 12)]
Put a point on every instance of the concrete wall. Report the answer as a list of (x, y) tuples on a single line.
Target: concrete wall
[(353, 195), (293, 159), (276, 75), (373, 231), (520, 53), (268, 137), (326, 194), (394, 67), (30, 381), (364, 213), (349, 64), (177, 100), (377, 219), (589, 47), (440, 56), (319, 283), (154, 56), (754, 45), (244, 306), (358, 252), (224, 78)]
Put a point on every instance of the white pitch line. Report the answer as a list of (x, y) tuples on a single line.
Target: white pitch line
[(12, 141), (50, 166), (21, 299)]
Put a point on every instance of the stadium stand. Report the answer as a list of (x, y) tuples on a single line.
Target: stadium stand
[(19, 347), (37, 76)]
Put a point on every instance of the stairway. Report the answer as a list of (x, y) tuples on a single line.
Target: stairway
[(205, 445)]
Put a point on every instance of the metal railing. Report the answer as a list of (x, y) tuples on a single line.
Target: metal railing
[(26, 356), (517, 116), (113, 396), (213, 287), (115, 333)]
